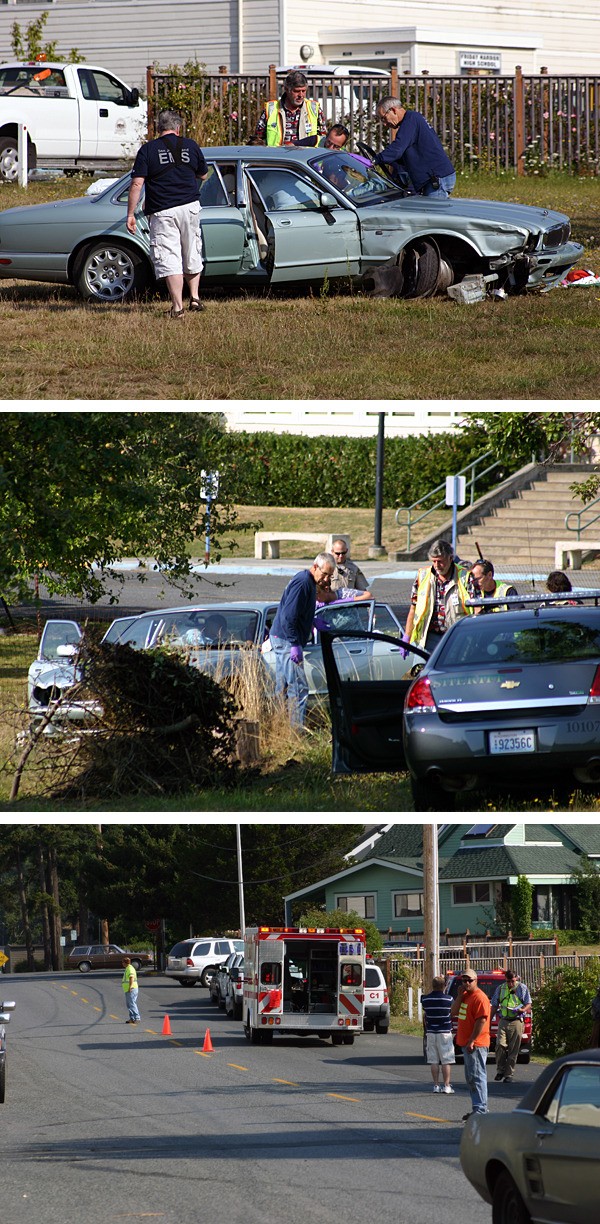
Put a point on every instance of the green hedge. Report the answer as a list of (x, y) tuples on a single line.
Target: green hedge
[(268, 469)]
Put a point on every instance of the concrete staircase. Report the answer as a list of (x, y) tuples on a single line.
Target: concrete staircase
[(518, 532)]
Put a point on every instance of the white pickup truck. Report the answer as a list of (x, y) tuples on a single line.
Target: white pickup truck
[(78, 117)]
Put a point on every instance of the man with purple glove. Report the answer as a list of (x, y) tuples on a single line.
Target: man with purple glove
[(290, 632)]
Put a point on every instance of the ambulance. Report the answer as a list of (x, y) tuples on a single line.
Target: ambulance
[(304, 981)]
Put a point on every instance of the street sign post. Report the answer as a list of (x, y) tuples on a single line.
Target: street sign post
[(456, 495)]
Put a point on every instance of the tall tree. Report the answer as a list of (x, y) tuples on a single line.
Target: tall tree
[(82, 490)]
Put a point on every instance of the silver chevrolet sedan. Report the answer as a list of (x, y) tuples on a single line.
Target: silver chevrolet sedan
[(283, 216)]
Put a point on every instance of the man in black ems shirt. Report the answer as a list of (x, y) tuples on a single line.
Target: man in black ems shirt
[(171, 167)]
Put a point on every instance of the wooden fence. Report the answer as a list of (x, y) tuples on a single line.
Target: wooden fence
[(525, 123), (533, 970)]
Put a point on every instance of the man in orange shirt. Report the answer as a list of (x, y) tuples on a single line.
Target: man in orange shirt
[(472, 1007)]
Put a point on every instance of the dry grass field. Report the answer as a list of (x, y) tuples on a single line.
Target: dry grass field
[(327, 346)]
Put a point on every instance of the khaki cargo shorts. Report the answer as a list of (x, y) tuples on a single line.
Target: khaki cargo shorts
[(440, 1049), (176, 240)]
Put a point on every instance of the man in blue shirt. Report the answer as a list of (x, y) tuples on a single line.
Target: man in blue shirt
[(290, 631), (171, 167), (512, 999), (438, 1029), (417, 150)]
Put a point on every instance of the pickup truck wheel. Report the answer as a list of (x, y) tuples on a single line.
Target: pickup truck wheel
[(9, 162), (110, 271)]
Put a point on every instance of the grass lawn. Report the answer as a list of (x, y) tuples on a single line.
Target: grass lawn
[(327, 346)]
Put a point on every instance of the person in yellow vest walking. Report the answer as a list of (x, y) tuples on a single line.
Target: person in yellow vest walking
[(438, 597), (512, 999), (292, 117), (130, 986)]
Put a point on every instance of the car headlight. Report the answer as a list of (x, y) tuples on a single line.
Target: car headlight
[(557, 236)]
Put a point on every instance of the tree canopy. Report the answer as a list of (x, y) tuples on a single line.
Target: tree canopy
[(187, 874), (80, 491)]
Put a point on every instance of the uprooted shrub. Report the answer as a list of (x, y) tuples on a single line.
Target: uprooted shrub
[(165, 726)]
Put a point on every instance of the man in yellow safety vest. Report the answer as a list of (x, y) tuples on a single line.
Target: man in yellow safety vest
[(438, 597), (292, 117), (490, 588)]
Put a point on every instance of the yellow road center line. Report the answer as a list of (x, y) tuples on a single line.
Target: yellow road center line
[(427, 1117), (177, 1043), (84, 1000), (74, 992), (238, 1067), (62, 986), (339, 1097), (202, 1053), (152, 1031), (290, 1083), (97, 1008), (111, 1017)]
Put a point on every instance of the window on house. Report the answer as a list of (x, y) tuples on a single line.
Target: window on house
[(472, 894), (408, 905), (364, 906)]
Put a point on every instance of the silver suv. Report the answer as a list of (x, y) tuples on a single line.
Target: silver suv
[(195, 960)]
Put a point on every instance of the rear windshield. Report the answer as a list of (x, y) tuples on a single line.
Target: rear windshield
[(507, 637), (182, 949)]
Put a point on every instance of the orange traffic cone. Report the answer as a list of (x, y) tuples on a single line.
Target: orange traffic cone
[(207, 1048), (166, 1028)]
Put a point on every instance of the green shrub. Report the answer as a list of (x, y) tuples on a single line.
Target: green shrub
[(562, 1019), (521, 904), (23, 967), (269, 469)]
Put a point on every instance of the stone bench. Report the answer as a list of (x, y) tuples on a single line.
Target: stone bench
[(266, 543), (570, 552)]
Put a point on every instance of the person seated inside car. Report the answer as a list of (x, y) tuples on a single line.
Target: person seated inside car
[(209, 631)]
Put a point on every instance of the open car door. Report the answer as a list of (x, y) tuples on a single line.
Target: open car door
[(367, 713)]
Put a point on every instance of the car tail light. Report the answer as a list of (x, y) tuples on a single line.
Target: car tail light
[(420, 696), (594, 697), (190, 962)]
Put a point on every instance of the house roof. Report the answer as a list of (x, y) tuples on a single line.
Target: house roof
[(499, 862), (586, 837)]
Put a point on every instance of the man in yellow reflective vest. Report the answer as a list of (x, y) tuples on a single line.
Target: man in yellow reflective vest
[(292, 117), (438, 597), (512, 999), (490, 588)]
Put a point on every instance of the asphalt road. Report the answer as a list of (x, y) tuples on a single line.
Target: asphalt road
[(108, 1122)]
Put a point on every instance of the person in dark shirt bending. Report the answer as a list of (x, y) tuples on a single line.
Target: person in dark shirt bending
[(416, 149), (290, 631)]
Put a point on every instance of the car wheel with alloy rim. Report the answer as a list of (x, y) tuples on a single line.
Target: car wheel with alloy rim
[(110, 271)]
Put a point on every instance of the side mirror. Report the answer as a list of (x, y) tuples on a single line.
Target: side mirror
[(134, 97), (327, 200)]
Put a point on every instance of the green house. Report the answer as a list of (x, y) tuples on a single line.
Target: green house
[(477, 865)]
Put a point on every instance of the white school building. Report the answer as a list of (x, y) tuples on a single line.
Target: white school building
[(415, 36)]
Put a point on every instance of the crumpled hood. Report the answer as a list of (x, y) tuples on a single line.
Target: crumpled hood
[(446, 213)]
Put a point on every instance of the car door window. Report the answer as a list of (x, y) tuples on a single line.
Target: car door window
[(576, 1101), (202, 949), (212, 190), (385, 622), (58, 633), (223, 948), (282, 190), (101, 86), (355, 616)]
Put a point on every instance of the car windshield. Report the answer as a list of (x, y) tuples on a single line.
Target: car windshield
[(360, 182), (508, 638)]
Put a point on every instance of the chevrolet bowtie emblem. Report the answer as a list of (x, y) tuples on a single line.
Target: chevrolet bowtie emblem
[(510, 684)]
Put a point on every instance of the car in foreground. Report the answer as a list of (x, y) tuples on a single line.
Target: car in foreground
[(377, 1002), (489, 981), (540, 1162), (86, 957), (510, 699), (276, 217), (5, 1010), (196, 959), (219, 638)]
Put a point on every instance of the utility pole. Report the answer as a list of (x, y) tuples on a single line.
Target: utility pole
[(431, 898)]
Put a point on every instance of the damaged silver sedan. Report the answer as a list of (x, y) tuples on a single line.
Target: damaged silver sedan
[(291, 216)]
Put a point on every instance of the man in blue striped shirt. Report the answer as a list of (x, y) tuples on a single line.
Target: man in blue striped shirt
[(438, 1030)]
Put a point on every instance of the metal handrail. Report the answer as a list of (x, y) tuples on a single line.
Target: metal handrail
[(577, 514), (471, 480)]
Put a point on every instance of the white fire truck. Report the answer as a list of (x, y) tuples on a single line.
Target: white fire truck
[(304, 981)]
